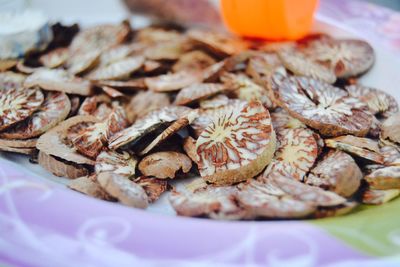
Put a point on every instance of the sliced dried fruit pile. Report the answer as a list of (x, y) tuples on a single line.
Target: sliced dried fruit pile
[(234, 129)]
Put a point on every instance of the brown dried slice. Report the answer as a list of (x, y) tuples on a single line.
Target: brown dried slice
[(391, 128), (27, 147), (89, 186), (55, 58), (384, 178), (59, 80), (129, 85), (126, 191), (61, 168), (377, 101), (215, 102), (172, 82), (193, 60), (144, 102), (83, 62), (10, 80), (150, 35), (301, 65), (153, 187), (165, 164), (323, 107), (170, 50), (6, 64), (120, 52), (262, 65), (337, 172), (347, 58), (339, 210), (121, 163), (297, 150), (282, 120), (268, 201), (18, 104), (113, 93), (54, 142), (237, 145), (117, 70), (97, 105), (189, 146), (379, 197), (152, 121), (55, 109), (210, 201), (197, 92), (361, 147)]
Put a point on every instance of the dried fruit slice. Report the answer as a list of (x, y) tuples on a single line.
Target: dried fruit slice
[(301, 65), (237, 145), (54, 142), (391, 128), (59, 80), (89, 186), (153, 187), (347, 58), (193, 60), (296, 153), (27, 147), (129, 85), (151, 35), (391, 154), (165, 164), (379, 197), (61, 168), (339, 210), (337, 172), (16, 105), (197, 92), (10, 80), (210, 201), (215, 102), (189, 146), (144, 102), (97, 105), (172, 82), (55, 58), (111, 92), (120, 52), (282, 120), (24, 68), (170, 50), (377, 101), (121, 163), (83, 62), (126, 191), (145, 125), (55, 108), (117, 70), (384, 178), (324, 107), (362, 147), (245, 89)]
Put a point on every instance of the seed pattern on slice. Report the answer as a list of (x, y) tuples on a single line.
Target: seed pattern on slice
[(337, 172), (165, 164), (54, 109), (384, 178), (10, 80), (121, 163), (197, 92), (17, 105), (296, 153), (324, 107), (172, 82), (55, 58), (379, 197), (97, 105), (117, 70), (237, 144), (391, 128), (362, 147)]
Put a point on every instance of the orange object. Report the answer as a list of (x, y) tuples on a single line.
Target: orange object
[(270, 19)]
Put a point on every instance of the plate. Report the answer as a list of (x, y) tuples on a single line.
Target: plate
[(44, 224)]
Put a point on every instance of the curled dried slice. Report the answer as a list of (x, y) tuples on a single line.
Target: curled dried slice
[(83, 62), (126, 191), (296, 153), (378, 197), (59, 80), (384, 178), (165, 164), (55, 58), (144, 102), (337, 172), (301, 65), (172, 82), (362, 147), (88, 185), (347, 58), (117, 70), (193, 60), (121, 163), (210, 201), (54, 142), (377, 101), (27, 147), (323, 107), (282, 120), (237, 145), (17, 105), (153, 187), (10, 80), (55, 108), (391, 128), (197, 92), (61, 168)]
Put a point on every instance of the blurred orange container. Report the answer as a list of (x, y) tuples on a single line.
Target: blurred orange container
[(269, 19)]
